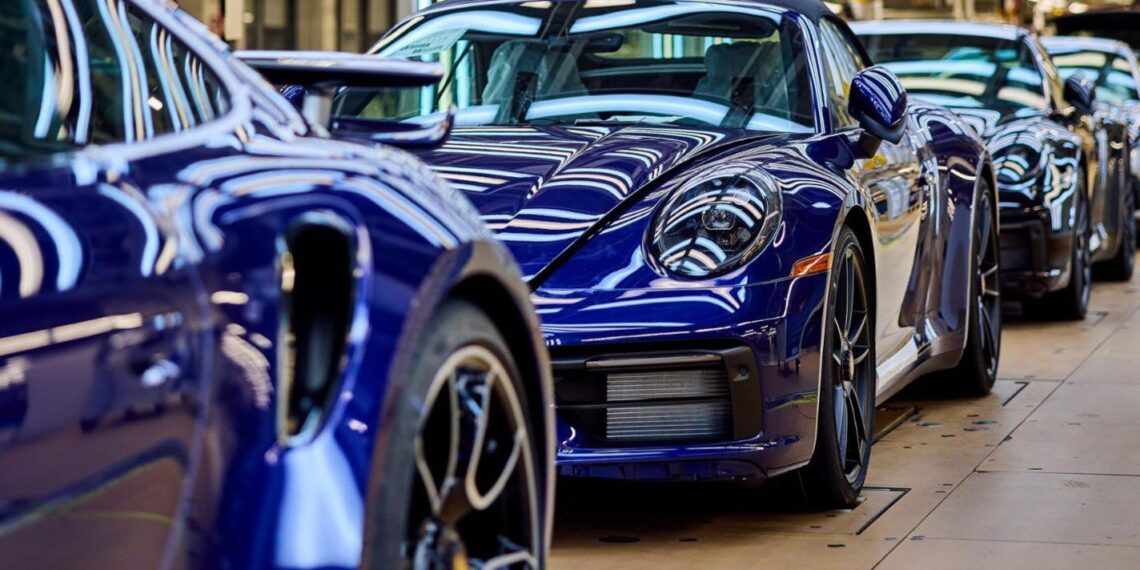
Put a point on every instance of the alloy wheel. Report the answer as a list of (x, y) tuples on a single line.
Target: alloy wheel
[(988, 286), (1084, 257), (852, 368), (475, 501)]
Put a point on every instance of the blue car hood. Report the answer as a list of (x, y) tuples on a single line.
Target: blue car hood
[(542, 189)]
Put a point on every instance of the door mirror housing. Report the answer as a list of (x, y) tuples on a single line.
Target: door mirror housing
[(879, 102), (1080, 92)]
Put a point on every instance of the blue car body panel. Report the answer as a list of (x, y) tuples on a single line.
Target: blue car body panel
[(140, 320), (574, 205), (1038, 214)]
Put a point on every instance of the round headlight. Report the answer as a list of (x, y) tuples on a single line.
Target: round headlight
[(1018, 163), (716, 223)]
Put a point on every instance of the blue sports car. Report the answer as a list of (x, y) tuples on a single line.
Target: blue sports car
[(229, 341), (1064, 187), (1113, 68), (739, 234)]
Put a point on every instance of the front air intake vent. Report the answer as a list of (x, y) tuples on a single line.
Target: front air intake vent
[(675, 397), (666, 384), (669, 422)]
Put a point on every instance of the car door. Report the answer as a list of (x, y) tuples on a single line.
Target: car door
[(97, 353), (891, 178)]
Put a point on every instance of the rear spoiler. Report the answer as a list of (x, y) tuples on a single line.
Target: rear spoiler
[(321, 73), (330, 69)]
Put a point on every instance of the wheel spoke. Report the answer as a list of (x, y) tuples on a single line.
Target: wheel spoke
[(989, 330), (859, 354), (986, 227), (841, 421), (434, 483), (989, 287), (854, 335), (514, 555), (857, 420), (849, 284)]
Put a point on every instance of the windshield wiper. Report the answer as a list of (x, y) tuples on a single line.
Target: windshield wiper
[(450, 76)]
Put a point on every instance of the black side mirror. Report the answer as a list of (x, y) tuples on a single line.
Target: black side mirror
[(1080, 92), (879, 102)]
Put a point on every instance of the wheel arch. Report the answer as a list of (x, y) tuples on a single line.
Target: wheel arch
[(857, 220), (490, 281), (490, 295)]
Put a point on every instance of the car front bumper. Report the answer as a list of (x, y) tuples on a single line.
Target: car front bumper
[(685, 383), (1035, 258)]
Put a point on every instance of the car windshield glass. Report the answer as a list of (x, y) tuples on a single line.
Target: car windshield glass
[(1112, 73), (962, 71), (601, 62)]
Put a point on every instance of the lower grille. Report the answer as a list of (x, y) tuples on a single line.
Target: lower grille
[(681, 397), (660, 385), (670, 422)]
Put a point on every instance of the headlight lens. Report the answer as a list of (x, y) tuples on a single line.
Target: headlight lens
[(1017, 164), (714, 224)]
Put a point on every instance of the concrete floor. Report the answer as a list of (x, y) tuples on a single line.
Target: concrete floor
[(1043, 473)]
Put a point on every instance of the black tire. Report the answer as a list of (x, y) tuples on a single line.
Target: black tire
[(977, 370), (1121, 266), (834, 477), (1072, 302), (461, 359)]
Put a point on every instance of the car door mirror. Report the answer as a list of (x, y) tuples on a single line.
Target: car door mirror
[(879, 102), (1080, 93)]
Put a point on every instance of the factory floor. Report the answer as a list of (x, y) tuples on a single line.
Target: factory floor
[(1043, 473)]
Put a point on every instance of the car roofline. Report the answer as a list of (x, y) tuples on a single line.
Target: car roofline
[(940, 27)]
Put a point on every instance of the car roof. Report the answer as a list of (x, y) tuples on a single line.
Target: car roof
[(941, 27), (812, 9), (1085, 44)]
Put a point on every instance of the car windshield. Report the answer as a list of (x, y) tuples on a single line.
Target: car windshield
[(601, 62), (1112, 73), (962, 71)]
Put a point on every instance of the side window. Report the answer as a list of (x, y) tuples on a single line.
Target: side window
[(144, 82), (95, 71), (842, 62), (41, 106)]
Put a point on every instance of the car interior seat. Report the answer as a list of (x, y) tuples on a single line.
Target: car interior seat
[(730, 67)]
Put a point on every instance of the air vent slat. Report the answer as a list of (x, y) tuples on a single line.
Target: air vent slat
[(665, 384), (669, 421)]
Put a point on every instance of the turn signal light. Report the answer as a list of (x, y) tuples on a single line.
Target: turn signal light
[(810, 265)]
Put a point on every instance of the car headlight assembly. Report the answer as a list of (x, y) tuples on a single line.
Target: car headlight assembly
[(1019, 164), (716, 223)]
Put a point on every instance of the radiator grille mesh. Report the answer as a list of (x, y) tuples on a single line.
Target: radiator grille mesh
[(673, 422), (659, 385)]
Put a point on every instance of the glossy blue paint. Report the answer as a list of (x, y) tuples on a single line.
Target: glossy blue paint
[(879, 101), (1039, 200), (576, 205), (141, 330), (1118, 83)]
